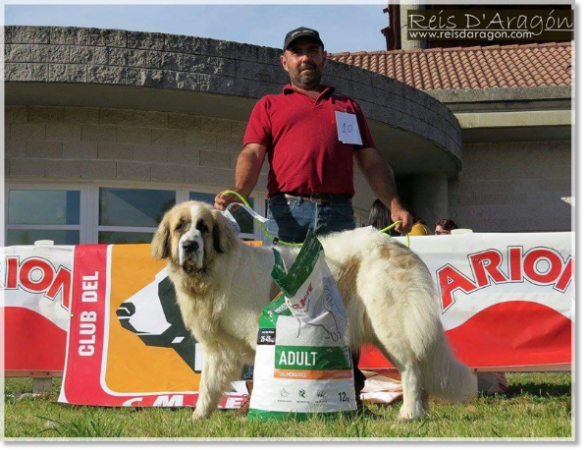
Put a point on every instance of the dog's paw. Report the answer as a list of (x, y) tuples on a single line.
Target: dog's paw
[(199, 415), (410, 414)]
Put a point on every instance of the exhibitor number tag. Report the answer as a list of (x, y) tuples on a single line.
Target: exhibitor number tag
[(348, 131)]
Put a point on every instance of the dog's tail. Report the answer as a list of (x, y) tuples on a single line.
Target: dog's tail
[(443, 376)]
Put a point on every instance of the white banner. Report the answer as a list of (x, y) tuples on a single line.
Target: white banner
[(507, 300)]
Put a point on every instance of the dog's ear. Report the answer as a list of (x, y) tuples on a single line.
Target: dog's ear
[(224, 237), (161, 243)]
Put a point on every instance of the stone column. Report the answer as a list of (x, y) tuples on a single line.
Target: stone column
[(405, 43), (430, 197)]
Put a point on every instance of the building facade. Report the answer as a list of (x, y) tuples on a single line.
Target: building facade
[(106, 129), (514, 105)]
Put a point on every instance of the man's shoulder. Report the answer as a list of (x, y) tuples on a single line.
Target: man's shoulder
[(268, 99), (272, 96)]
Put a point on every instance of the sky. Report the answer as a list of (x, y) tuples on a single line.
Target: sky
[(344, 25), (343, 28)]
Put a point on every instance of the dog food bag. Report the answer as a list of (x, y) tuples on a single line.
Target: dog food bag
[(303, 363)]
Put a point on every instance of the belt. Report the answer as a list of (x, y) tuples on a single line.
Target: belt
[(317, 198)]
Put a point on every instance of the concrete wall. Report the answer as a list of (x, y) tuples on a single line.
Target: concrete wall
[(68, 66), (70, 143), (84, 143), (513, 187), (172, 109), (503, 186)]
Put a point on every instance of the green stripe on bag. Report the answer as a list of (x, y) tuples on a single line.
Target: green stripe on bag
[(304, 264), (282, 415), (271, 312), (312, 358)]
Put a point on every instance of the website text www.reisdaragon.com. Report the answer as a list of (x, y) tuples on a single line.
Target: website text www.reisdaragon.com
[(485, 35), (491, 25)]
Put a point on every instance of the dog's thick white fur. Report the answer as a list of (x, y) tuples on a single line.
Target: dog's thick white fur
[(222, 285)]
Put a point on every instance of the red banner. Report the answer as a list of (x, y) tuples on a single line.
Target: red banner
[(522, 336)]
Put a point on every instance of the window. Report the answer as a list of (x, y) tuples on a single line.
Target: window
[(131, 215), (72, 214), (37, 214)]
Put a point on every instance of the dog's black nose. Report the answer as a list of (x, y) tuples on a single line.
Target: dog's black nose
[(190, 247)]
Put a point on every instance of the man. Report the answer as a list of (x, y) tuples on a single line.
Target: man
[(312, 137)]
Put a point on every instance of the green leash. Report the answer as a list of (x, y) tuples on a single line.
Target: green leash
[(384, 231), (260, 225), (262, 228)]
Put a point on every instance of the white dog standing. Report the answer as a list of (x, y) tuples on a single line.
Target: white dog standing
[(222, 284)]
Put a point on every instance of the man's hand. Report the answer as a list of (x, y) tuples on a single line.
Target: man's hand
[(400, 214), (248, 167), (381, 179), (223, 201)]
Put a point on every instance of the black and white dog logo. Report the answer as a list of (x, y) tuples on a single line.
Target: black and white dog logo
[(153, 315)]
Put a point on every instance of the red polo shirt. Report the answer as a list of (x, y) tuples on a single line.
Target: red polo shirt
[(301, 138)]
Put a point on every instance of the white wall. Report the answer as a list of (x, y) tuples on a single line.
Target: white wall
[(513, 187)]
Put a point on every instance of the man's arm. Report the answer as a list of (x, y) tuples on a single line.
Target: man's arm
[(381, 179), (248, 168)]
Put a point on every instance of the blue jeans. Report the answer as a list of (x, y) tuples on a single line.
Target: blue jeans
[(291, 219)]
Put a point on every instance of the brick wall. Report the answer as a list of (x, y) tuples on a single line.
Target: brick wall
[(69, 143), (513, 187), (75, 144), (503, 186)]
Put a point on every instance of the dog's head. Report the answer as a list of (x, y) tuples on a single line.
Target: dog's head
[(192, 234)]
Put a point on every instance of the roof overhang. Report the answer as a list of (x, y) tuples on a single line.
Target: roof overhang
[(544, 113)]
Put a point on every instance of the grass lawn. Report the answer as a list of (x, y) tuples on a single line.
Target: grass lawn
[(538, 406)]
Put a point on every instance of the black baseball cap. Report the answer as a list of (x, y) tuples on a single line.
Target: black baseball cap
[(301, 32)]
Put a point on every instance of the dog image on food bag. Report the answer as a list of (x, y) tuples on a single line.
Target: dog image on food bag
[(222, 284)]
